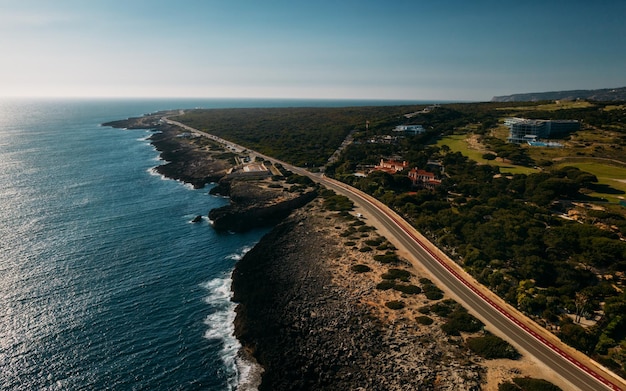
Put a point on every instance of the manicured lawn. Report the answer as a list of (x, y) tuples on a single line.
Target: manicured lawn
[(458, 143), (610, 175)]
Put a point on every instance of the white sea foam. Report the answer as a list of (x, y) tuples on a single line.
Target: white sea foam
[(153, 171), (246, 373), (239, 255)]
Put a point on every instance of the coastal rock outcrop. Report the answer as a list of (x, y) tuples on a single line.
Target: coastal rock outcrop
[(251, 207), (187, 160), (311, 330)]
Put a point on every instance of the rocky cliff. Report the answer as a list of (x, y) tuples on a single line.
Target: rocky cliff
[(240, 217), (311, 321)]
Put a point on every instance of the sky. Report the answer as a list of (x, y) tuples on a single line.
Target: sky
[(352, 49)]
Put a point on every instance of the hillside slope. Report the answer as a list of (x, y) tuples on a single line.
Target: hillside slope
[(606, 94)]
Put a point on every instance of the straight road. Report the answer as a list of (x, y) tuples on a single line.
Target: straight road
[(580, 376)]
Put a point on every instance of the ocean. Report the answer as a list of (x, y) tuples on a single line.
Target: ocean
[(105, 284)]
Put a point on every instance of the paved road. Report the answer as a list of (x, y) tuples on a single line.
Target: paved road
[(580, 376)]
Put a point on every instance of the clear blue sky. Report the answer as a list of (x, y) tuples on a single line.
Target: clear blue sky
[(436, 49)]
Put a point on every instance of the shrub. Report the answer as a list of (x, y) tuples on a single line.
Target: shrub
[(508, 387), (365, 249), (361, 268), (385, 285), (459, 321), (424, 280), (424, 310), (338, 203), (441, 309), (425, 320), (374, 242), (431, 291), (350, 243), (347, 232), (386, 258), (400, 274), (492, 347), (408, 289), (432, 295), (301, 180), (383, 246), (395, 304), (530, 384)]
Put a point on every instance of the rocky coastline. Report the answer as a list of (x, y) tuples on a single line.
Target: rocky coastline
[(304, 312), (192, 160), (253, 205), (313, 323)]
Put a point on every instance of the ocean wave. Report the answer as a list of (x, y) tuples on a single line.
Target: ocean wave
[(237, 256), (245, 372), (154, 172)]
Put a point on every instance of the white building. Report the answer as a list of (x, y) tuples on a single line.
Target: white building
[(524, 130), (410, 129)]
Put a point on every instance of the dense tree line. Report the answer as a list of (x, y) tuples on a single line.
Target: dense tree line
[(304, 137), (508, 230)]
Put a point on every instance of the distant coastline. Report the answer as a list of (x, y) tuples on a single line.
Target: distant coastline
[(604, 94)]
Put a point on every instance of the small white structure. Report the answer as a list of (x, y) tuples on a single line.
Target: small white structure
[(410, 129)]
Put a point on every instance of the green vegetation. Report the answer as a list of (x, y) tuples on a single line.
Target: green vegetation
[(374, 242), (395, 305), (458, 143), (424, 310), (305, 137), (432, 292), (460, 320), (457, 319), (424, 320), (397, 274), (528, 384), (361, 268), (408, 289), (506, 230), (611, 177), (501, 209), (492, 347), (385, 285), (338, 203), (387, 258), (444, 307), (552, 106)]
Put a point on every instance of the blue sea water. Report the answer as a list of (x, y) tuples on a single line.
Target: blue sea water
[(104, 282)]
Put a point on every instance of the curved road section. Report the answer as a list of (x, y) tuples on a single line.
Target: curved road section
[(492, 311)]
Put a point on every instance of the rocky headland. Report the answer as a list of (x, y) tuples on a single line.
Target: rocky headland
[(187, 158), (255, 204)]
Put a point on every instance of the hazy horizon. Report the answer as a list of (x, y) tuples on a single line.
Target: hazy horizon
[(365, 50)]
